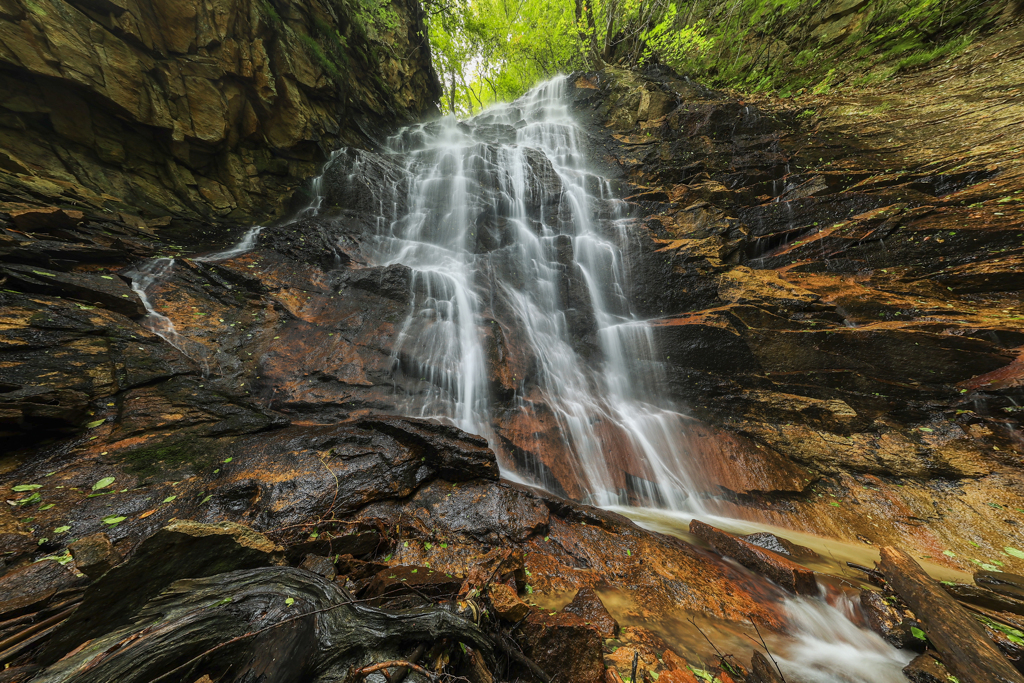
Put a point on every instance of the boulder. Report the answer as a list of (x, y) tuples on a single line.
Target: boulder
[(763, 671), (94, 555), (565, 645), (588, 605), (506, 603), (885, 619), (785, 572), (779, 545)]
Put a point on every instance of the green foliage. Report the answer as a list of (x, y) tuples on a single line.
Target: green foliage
[(785, 44)]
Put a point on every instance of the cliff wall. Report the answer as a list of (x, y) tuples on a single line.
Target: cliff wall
[(196, 109)]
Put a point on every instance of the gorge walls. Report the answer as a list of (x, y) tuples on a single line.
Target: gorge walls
[(207, 111)]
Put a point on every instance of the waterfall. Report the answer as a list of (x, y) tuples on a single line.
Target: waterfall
[(512, 241)]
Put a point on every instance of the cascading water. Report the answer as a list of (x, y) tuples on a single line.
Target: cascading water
[(506, 231)]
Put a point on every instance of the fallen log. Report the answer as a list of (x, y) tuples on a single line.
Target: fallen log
[(788, 574), (959, 639), (273, 623)]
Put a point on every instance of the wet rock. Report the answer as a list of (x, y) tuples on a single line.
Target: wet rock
[(786, 573), (763, 671), (456, 455), (318, 564), (29, 587), (777, 544), (49, 219), (926, 668), (183, 549), (137, 150), (399, 581), (983, 597), (507, 603), (587, 604), (388, 281), (563, 643), (94, 555), (1010, 585), (357, 570), (886, 619)]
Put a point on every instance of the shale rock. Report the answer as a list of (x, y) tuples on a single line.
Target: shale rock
[(199, 111), (885, 619), (94, 555), (31, 586), (507, 603)]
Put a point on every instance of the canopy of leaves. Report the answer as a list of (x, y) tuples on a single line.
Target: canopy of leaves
[(491, 50)]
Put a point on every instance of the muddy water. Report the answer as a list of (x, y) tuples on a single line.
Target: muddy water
[(825, 640)]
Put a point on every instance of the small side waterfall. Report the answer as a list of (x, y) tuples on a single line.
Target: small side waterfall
[(513, 242)]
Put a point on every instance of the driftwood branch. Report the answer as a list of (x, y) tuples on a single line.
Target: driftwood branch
[(359, 674)]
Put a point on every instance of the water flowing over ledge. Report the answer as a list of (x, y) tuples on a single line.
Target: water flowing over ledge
[(514, 247)]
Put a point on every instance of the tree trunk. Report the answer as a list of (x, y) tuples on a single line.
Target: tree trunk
[(960, 640)]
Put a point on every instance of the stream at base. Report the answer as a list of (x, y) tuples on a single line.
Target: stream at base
[(826, 639)]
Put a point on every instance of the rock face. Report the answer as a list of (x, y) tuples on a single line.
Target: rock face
[(196, 110), (828, 302)]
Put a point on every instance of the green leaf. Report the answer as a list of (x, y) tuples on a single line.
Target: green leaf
[(1010, 550), (918, 633), (204, 500), (91, 425), (289, 601), (169, 499), (428, 546), (113, 521), (34, 498), (103, 483), (21, 488), (228, 459), (926, 429), (46, 507), (529, 589), (61, 529), (949, 553), (702, 674), (629, 553)]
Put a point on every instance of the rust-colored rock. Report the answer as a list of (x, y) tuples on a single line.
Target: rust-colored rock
[(563, 644), (588, 605), (786, 573), (506, 603), (678, 676), (94, 555)]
